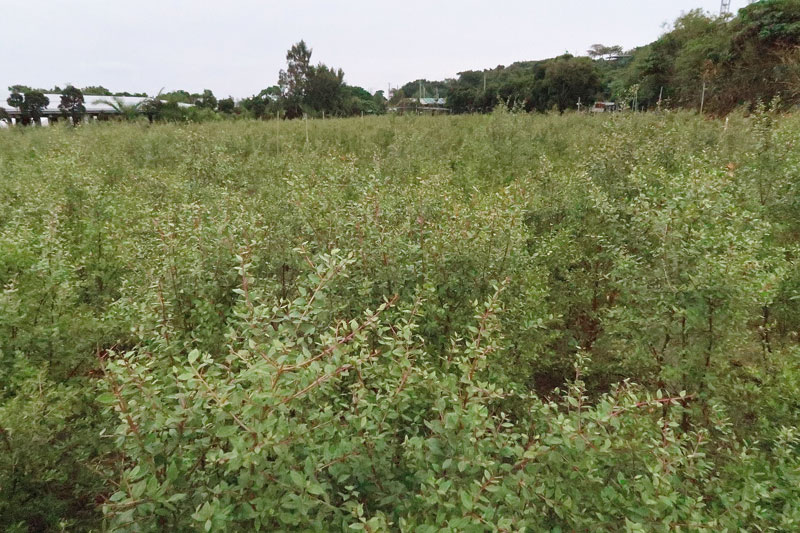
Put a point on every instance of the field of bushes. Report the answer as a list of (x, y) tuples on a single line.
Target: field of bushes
[(505, 322)]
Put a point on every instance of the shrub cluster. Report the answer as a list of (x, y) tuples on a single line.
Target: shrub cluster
[(502, 323)]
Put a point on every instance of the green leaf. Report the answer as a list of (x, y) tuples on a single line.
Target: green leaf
[(137, 489), (107, 398), (316, 489), (466, 500), (297, 478), (226, 431)]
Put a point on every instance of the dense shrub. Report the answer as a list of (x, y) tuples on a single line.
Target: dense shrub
[(502, 322)]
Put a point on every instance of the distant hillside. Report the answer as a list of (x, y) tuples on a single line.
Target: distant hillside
[(741, 60)]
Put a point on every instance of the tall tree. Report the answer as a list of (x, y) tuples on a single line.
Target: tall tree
[(72, 104), (324, 89), (380, 101), (294, 79)]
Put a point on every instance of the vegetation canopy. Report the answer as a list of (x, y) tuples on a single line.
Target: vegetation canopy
[(507, 322)]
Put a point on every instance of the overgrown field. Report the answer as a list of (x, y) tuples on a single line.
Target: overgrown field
[(476, 323)]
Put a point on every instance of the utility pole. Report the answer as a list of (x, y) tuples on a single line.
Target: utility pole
[(703, 98), (725, 6), (579, 104), (484, 82)]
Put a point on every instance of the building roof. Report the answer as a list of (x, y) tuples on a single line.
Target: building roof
[(432, 101)]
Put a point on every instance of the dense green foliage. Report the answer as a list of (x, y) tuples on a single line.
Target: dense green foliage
[(305, 90), (91, 90), (741, 60), (534, 323), (534, 85), (31, 104), (72, 104), (715, 64)]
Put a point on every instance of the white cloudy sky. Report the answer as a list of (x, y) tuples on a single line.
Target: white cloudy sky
[(237, 47)]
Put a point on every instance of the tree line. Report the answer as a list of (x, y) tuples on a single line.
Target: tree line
[(739, 60), (304, 89), (32, 102), (717, 63)]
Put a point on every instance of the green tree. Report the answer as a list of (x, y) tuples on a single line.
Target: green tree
[(31, 104), (569, 78), (16, 99), (264, 104), (207, 100), (601, 51), (153, 108), (763, 59), (22, 89), (226, 105), (96, 90), (35, 104), (425, 88), (771, 23), (294, 79), (380, 101), (396, 96), (181, 96), (72, 104), (323, 90)]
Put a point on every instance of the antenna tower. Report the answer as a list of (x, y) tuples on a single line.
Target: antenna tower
[(725, 7)]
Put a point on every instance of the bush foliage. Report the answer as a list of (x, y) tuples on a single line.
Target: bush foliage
[(472, 323)]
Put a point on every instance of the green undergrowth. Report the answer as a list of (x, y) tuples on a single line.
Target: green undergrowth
[(474, 323)]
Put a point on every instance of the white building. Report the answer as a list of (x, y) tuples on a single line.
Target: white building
[(97, 107)]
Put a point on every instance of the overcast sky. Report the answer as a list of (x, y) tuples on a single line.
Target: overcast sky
[(237, 47)]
